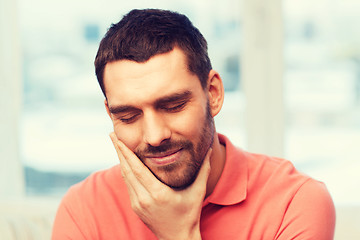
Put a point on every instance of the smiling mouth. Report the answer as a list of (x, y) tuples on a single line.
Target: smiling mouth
[(164, 158)]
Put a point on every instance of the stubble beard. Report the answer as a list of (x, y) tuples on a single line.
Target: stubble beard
[(196, 155)]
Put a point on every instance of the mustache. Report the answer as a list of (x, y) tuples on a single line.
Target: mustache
[(164, 147)]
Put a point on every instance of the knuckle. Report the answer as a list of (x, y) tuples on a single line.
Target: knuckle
[(135, 206), (140, 205), (125, 171), (137, 173), (144, 203), (160, 196)]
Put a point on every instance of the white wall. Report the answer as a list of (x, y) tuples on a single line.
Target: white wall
[(11, 176)]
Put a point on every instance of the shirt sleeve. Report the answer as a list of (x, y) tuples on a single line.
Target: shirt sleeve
[(310, 214)]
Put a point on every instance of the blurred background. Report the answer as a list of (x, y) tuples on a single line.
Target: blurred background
[(291, 71)]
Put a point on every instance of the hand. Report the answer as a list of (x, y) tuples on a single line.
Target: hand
[(169, 214)]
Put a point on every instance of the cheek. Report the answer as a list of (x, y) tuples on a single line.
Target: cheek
[(128, 135), (189, 124)]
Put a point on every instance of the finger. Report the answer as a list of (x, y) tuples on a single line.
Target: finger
[(132, 183), (123, 165), (133, 165), (114, 140)]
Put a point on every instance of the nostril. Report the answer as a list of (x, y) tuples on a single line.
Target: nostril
[(155, 131), (157, 138)]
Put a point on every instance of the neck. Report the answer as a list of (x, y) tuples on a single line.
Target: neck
[(217, 162)]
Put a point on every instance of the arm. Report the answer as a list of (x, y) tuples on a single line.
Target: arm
[(168, 213), (310, 215)]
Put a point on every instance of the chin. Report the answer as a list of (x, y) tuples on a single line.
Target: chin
[(180, 182)]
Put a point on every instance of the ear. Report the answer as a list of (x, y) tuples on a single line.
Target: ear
[(215, 92), (107, 108)]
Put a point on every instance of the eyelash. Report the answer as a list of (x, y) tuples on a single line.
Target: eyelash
[(130, 119), (176, 108)]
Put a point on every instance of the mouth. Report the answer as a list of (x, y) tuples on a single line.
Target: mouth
[(164, 158)]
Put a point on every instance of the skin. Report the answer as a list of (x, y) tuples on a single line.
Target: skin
[(154, 103)]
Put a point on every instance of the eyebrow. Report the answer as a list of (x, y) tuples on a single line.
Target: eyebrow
[(183, 96), (177, 97), (121, 109)]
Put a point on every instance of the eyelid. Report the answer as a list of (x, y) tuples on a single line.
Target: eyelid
[(177, 106), (128, 117)]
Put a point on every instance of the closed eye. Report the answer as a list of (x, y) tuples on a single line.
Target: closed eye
[(176, 107), (128, 117), (175, 102)]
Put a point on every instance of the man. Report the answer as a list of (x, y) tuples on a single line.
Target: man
[(178, 178)]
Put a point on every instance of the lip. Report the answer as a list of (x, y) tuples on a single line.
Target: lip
[(164, 158)]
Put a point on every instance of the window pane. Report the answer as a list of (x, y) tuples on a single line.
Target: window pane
[(65, 127), (323, 92)]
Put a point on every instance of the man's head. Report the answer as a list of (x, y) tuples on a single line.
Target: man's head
[(142, 34), (159, 106)]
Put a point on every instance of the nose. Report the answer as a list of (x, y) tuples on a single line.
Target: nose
[(155, 129)]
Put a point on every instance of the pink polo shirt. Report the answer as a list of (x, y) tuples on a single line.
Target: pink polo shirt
[(257, 197)]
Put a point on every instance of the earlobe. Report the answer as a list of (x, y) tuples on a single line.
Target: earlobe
[(215, 92)]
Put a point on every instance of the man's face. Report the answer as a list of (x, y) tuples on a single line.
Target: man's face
[(161, 112)]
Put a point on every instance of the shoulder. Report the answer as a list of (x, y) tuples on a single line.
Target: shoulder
[(274, 173), (85, 197), (88, 206), (280, 176), (310, 214), (93, 181), (284, 202), (308, 211), (304, 207)]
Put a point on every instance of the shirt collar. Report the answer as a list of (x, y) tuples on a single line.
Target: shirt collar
[(232, 185)]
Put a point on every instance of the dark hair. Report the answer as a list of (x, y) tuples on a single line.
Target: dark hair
[(142, 34)]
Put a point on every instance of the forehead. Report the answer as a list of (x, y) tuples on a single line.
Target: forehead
[(129, 82)]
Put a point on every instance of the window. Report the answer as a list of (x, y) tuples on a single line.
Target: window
[(322, 93)]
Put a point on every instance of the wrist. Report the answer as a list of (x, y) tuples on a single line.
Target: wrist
[(192, 235)]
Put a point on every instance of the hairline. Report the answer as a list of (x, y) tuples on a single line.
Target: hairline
[(175, 45)]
